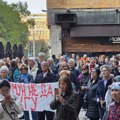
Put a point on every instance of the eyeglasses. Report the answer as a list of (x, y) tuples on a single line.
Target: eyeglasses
[(84, 69), (23, 69), (64, 66)]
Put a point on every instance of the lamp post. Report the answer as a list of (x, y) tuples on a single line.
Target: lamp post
[(33, 47), (33, 42)]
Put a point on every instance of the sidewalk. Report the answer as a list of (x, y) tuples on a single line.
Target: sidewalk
[(81, 115)]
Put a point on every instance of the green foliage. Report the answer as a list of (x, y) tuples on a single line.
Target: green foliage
[(11, 27), (21, 8), (42, 46)]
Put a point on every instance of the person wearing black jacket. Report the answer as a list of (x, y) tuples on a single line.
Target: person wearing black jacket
[(45, 77), (66, 101), (90, 96), (73, 77)]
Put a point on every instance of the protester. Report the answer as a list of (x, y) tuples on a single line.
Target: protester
[(85, 58), (90, 97), (33, 67), (2, 63), (16, 74), (79, 66), (55, 60), (115, 68), (45, 77), (41, 57), (52, 66), (4, 72), (9, 107), (71, 64), (12, 68), (66, 101), (114, 110), (108, 96), (103, 87), (73, 77), (25, 77), (83, 79), (66, 73)]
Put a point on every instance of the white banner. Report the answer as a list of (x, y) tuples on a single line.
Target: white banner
[(34, 97)]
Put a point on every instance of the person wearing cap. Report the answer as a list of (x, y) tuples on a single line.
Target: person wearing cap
[(4, 72), (114, 109)]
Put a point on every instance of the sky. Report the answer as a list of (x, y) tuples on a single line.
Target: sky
[(34, 6)]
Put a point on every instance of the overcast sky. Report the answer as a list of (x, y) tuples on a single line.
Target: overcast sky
[(34, 6)]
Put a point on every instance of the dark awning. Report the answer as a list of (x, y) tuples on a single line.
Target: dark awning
[(95, 31)]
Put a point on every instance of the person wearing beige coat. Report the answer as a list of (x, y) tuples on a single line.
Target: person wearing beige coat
[(9, 107)]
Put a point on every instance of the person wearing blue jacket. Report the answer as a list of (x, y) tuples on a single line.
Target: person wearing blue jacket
[(25, 77)]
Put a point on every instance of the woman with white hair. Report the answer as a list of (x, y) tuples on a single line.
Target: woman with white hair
[(4, 72)]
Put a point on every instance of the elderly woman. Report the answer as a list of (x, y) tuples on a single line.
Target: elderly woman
[(4, 72), (114, 109), (103, 87), (9, 107), (25, 77), (66, 101)]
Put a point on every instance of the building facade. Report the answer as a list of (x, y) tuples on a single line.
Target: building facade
[(40, 30), (84, 26), (37, 33)]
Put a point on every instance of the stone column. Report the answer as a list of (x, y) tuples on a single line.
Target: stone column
[(55, 40)]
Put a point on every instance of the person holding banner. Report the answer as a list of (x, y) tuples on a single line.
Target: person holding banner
[(25, 77), (9, 107), (45, 77), (66, 101)]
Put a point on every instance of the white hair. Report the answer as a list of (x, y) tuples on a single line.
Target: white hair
[(50, 59), (4, 69), (71, 60), (41, 54)]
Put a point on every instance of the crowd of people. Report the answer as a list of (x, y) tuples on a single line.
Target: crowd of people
[(91, 83)]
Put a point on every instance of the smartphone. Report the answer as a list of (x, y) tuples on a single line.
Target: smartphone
[(56, 91)]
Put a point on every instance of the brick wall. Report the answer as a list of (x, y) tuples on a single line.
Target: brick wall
[(88, 45)]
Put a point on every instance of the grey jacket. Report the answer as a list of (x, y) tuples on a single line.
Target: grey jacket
[(10, 112)]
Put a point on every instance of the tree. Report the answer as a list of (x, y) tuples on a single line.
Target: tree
[(42, 46), (21, 8), (11, 27)]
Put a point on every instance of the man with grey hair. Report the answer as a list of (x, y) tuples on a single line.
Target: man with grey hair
[(52, 66), (45, 77), (71, 64), (103, 87), (41, 57)]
